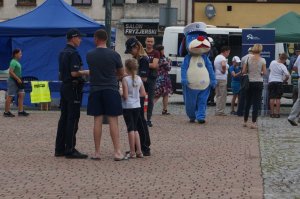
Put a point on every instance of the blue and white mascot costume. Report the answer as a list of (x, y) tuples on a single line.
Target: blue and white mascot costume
[(197, 74)]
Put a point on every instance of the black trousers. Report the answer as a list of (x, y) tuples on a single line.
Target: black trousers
[(142, 128), (253, 97), (151, 94), (70, 102), (242, 100)]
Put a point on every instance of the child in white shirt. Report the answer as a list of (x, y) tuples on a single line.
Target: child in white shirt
[(133, 89)]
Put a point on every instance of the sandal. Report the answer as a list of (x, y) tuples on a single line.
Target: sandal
[(130, 155), (277, 116), (95, 158), (139, 155), (253, 126), (165, 112), (121, 159)]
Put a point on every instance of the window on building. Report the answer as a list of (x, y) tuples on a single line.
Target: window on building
[(115, 2), (81, 2), (1, 2), (147, 1), (26, 2)]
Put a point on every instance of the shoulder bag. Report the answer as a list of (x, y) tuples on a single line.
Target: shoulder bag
[(245, 79)]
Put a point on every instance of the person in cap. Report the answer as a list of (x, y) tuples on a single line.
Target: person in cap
[(242, 93), (235, 71), (135, 48), (71, 75), (197, 75), (277, 76), (106, 69)]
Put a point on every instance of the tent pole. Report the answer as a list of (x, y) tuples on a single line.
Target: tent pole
[(108, 11)]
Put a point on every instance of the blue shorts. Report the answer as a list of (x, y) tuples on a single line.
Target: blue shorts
[(105, 102), (235, 87)]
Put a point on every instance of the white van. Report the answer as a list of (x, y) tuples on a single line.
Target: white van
[(221, 36)]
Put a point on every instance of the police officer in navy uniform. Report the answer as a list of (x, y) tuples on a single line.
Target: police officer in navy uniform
[(71, 75)]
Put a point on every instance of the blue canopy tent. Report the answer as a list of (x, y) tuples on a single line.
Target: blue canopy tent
[(41, 36)]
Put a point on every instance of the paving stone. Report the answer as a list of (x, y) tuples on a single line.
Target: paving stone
[(217, 160)]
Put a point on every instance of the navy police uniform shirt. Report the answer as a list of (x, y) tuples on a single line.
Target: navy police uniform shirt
[(69, 61)]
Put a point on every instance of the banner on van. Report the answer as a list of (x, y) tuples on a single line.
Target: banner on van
[(266, 37), (140, 28)]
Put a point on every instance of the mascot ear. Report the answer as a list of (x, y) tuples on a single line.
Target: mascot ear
[(182, 49), (210, 39)]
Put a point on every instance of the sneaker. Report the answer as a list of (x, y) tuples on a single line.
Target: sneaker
[(23, 113), (165, 112), (76, 155), (149, 123), (221, 114), (8, 114), (292, 122)]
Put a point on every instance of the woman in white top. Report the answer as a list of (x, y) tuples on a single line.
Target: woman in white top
[(278, 75), (255, 66), (133, 89)]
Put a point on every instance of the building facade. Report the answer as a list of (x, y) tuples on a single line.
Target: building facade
[(241, 13), (130, 17)]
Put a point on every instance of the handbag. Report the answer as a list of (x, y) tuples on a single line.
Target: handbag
[(245, 79), (244, 82)]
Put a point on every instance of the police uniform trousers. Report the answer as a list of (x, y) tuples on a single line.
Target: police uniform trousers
[(70, 103)]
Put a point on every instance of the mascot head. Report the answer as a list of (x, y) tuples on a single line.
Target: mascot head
[(196, 41)]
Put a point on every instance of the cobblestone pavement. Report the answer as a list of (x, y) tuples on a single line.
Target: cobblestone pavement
[(217, 160), (280, 149)]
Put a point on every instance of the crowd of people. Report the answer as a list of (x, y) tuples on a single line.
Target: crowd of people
[(247, 77), (115, 91)]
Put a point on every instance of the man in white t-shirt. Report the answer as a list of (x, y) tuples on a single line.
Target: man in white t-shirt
[(221, 72), (296, 107), (278, 75)]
